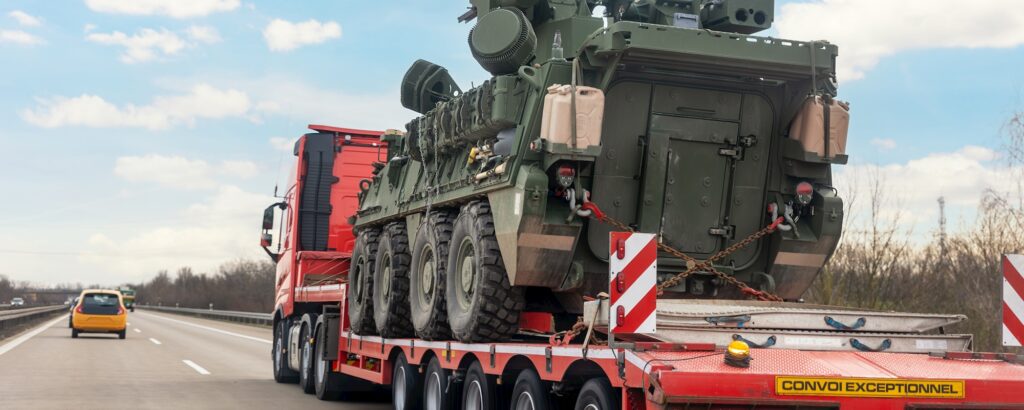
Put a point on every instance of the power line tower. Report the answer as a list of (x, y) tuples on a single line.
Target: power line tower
[(942, 227)]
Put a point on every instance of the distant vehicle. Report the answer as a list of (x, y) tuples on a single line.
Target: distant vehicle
[(129, 298), (17, 302), (71, 310), (99, 311)]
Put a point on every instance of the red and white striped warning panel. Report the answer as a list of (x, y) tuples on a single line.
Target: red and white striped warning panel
[(1013, 300), (633, 265)]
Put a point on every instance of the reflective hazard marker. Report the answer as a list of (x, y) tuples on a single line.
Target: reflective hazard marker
[(1013, 300), (633, 268)]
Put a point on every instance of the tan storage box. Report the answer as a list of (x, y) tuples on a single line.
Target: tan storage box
[(809, 127), (556, 124)]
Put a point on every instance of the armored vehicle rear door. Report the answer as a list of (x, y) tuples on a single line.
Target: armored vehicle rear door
[(695, 161)]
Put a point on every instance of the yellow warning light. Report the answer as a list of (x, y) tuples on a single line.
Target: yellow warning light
[(737, 354)]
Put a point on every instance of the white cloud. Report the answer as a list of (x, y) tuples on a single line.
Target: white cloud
[(146, 45), (88, 28), (221, 228), (203, 101), (870, 30), (961, 177), (239, 169), (884, 144), (203, 34), (19, 37), (283, 144), (169, 171), (282, 35), (25, 19), (317, 105), (172, 8)]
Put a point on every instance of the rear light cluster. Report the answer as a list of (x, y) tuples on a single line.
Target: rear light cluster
[(120, 310), (566, 175), (804, 192), (79, 309)]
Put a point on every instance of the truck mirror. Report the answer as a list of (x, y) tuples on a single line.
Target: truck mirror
[(268, 217), (266, 239)]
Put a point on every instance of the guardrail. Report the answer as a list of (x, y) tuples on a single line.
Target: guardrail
[(12, 318), (265, 319)]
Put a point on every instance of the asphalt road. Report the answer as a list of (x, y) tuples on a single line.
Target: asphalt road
[(167, 362)]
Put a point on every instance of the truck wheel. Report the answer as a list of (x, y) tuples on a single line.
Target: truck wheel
[(326, 383), (482, 306), (360, 283), (306, 360), (391, 280), (405, 385), (427, 281), (478, 391), (530, 393), (596, 394), (436, 393), (282, 374)]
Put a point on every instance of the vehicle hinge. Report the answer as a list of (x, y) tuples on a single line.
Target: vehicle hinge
[(731, 152), (748, 141), (723, 231)]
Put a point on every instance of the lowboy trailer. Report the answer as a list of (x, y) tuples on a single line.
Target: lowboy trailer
[(697, 353)]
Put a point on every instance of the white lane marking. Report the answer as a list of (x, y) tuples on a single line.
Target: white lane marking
[(156, 342), (137, 330), (199, 369), (127, 323), (21, 339), (212, 329)]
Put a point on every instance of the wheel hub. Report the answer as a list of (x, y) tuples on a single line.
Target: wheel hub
[(467, 270), (427, 273), (385, 277)]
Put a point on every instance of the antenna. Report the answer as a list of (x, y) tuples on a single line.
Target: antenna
[(942, 227)]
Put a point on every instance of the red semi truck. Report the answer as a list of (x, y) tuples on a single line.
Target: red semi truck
[(723, 354)]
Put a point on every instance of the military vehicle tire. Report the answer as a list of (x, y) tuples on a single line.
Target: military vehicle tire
[(482, 305), (391, 283), (427, 277), (360, 283)]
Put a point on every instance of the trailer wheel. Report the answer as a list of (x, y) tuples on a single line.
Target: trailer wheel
[(405, 385), (482, 305), (326, 383), (282, 374), (478, 391), (306, 360), (530, 393), (437, 394), (428, 276), (596, 394), (360, 283), (391, 280)]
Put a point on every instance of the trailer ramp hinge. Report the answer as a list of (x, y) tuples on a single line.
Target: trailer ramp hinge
[(738, 320), (857, 344), (842, 326), (769, 342)]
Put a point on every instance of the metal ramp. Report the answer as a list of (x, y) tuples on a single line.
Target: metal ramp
[(794, 326)]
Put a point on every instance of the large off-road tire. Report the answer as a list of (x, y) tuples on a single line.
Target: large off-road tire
[(391, 283), (482, 305), (360, 283), (428, 276), (282, 374)]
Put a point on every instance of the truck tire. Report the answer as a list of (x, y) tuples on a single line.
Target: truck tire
[(437, 394), (391, 277), (530, 392), (596, 394), (306, 375), (406, 393), (482, 305), (428, 277), (282, 374), (326, 384), (478, 390), (360, 283)]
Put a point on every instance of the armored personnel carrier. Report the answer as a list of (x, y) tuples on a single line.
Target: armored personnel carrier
[(668, 115)]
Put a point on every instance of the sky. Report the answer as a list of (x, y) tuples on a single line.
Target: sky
[(147, 135)]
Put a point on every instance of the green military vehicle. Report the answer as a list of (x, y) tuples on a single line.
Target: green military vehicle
[(129, 298), (667, 115)]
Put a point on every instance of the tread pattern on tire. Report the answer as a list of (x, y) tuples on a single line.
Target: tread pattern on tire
[(436, 230), (393, 320), (495, 315), (360, 310)]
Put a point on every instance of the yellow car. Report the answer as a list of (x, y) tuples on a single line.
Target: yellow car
[(99, 311)]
